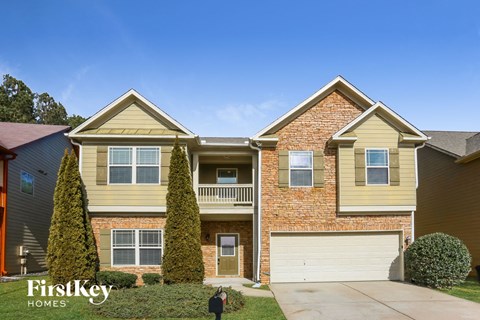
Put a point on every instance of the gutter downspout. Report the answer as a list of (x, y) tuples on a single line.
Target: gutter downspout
[(416, 187), (80, 154), (259, 208)]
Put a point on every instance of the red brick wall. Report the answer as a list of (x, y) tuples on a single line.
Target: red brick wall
[(115, 222), (312, 209), (244, 229)]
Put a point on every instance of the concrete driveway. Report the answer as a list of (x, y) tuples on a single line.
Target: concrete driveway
[(369, 300)]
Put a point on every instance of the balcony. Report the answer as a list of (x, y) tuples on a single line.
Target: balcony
[(225, 194), (224, 184)]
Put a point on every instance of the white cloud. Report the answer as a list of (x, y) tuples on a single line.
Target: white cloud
[(244, 113), (78, 76)]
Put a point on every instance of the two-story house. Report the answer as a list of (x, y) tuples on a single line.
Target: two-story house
[(324, 193), (30, 158), (448, 199)]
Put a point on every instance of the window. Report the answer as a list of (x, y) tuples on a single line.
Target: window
[(134, 165), (227, 244), (137, 247), (301, 168), (26, 182), (377, 166), (226, 176)]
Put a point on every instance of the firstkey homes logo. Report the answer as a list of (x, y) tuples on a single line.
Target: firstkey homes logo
[(96, 294)]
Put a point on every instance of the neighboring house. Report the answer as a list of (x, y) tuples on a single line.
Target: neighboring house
[(29, 177), (324, 193), (449, 184)]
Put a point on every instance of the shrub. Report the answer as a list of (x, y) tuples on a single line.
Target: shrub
[(182, 259), (172, 301), (117, 279), (71, 252), (437, 260), (151, 278)]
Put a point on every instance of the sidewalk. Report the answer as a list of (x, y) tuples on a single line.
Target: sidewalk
[(237, 284)]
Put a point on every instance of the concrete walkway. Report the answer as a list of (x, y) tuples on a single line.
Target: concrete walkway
[(370, 300), (237, 284)]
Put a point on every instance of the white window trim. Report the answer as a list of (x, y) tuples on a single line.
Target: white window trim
[(233, 169), (134, 166), (33, 183), (367, 167), (136, 248), (290, 169)]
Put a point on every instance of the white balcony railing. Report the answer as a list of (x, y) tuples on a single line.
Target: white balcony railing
[(225, 194)]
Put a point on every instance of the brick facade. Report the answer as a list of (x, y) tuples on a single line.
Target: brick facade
[(313, 209), (128, 222), (243, 228)]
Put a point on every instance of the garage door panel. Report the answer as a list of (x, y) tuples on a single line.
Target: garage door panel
[(315, 257)]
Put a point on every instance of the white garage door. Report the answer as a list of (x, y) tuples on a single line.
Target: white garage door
[(333, 256)]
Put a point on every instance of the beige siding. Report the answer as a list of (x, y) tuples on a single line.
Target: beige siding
[(448, 199), (117, 195), (376, 133), (28, 217), (132, 117)]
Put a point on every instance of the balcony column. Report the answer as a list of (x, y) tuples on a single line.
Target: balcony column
[(195, 167)]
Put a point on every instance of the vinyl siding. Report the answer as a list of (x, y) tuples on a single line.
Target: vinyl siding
[(28, 217), (448, 199), (117, 195), (132, 117), (376, 133)]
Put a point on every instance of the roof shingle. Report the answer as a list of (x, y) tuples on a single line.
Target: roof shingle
[(14, 135)]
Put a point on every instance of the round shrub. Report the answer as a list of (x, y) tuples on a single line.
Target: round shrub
[(117, 279), (167, 301), (151, 278), (437, 260)]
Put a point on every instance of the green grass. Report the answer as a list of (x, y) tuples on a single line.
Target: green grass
[(469, 290), (14, 306), (262, 287)]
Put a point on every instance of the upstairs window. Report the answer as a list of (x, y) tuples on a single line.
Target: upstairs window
[(301, 168), (134, 165), (377, 166)]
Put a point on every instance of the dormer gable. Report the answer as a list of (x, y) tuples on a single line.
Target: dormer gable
[(131, 116)]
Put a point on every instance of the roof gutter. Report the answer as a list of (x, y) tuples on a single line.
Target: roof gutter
[(259, 208)]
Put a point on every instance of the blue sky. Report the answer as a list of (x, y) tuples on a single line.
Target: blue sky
[(229, 68)]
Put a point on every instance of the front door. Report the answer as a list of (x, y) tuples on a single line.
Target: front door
[(227, 254)]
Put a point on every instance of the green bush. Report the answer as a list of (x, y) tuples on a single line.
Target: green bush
[(182, 259), (151, 278), (117, 279), (437, 260), (168, 301), (71, 250)]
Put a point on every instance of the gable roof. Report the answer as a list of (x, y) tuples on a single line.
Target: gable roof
[(91, 126), (339, 83), (462, 145), (407, 131), (454, 142), (14, 135)]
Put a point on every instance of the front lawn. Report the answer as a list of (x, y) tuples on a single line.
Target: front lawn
[(469, 290), (14, 306)]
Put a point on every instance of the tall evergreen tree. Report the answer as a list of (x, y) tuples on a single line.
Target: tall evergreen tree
[(71, 253), (182, 260), (48, 111), (16, 101)]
